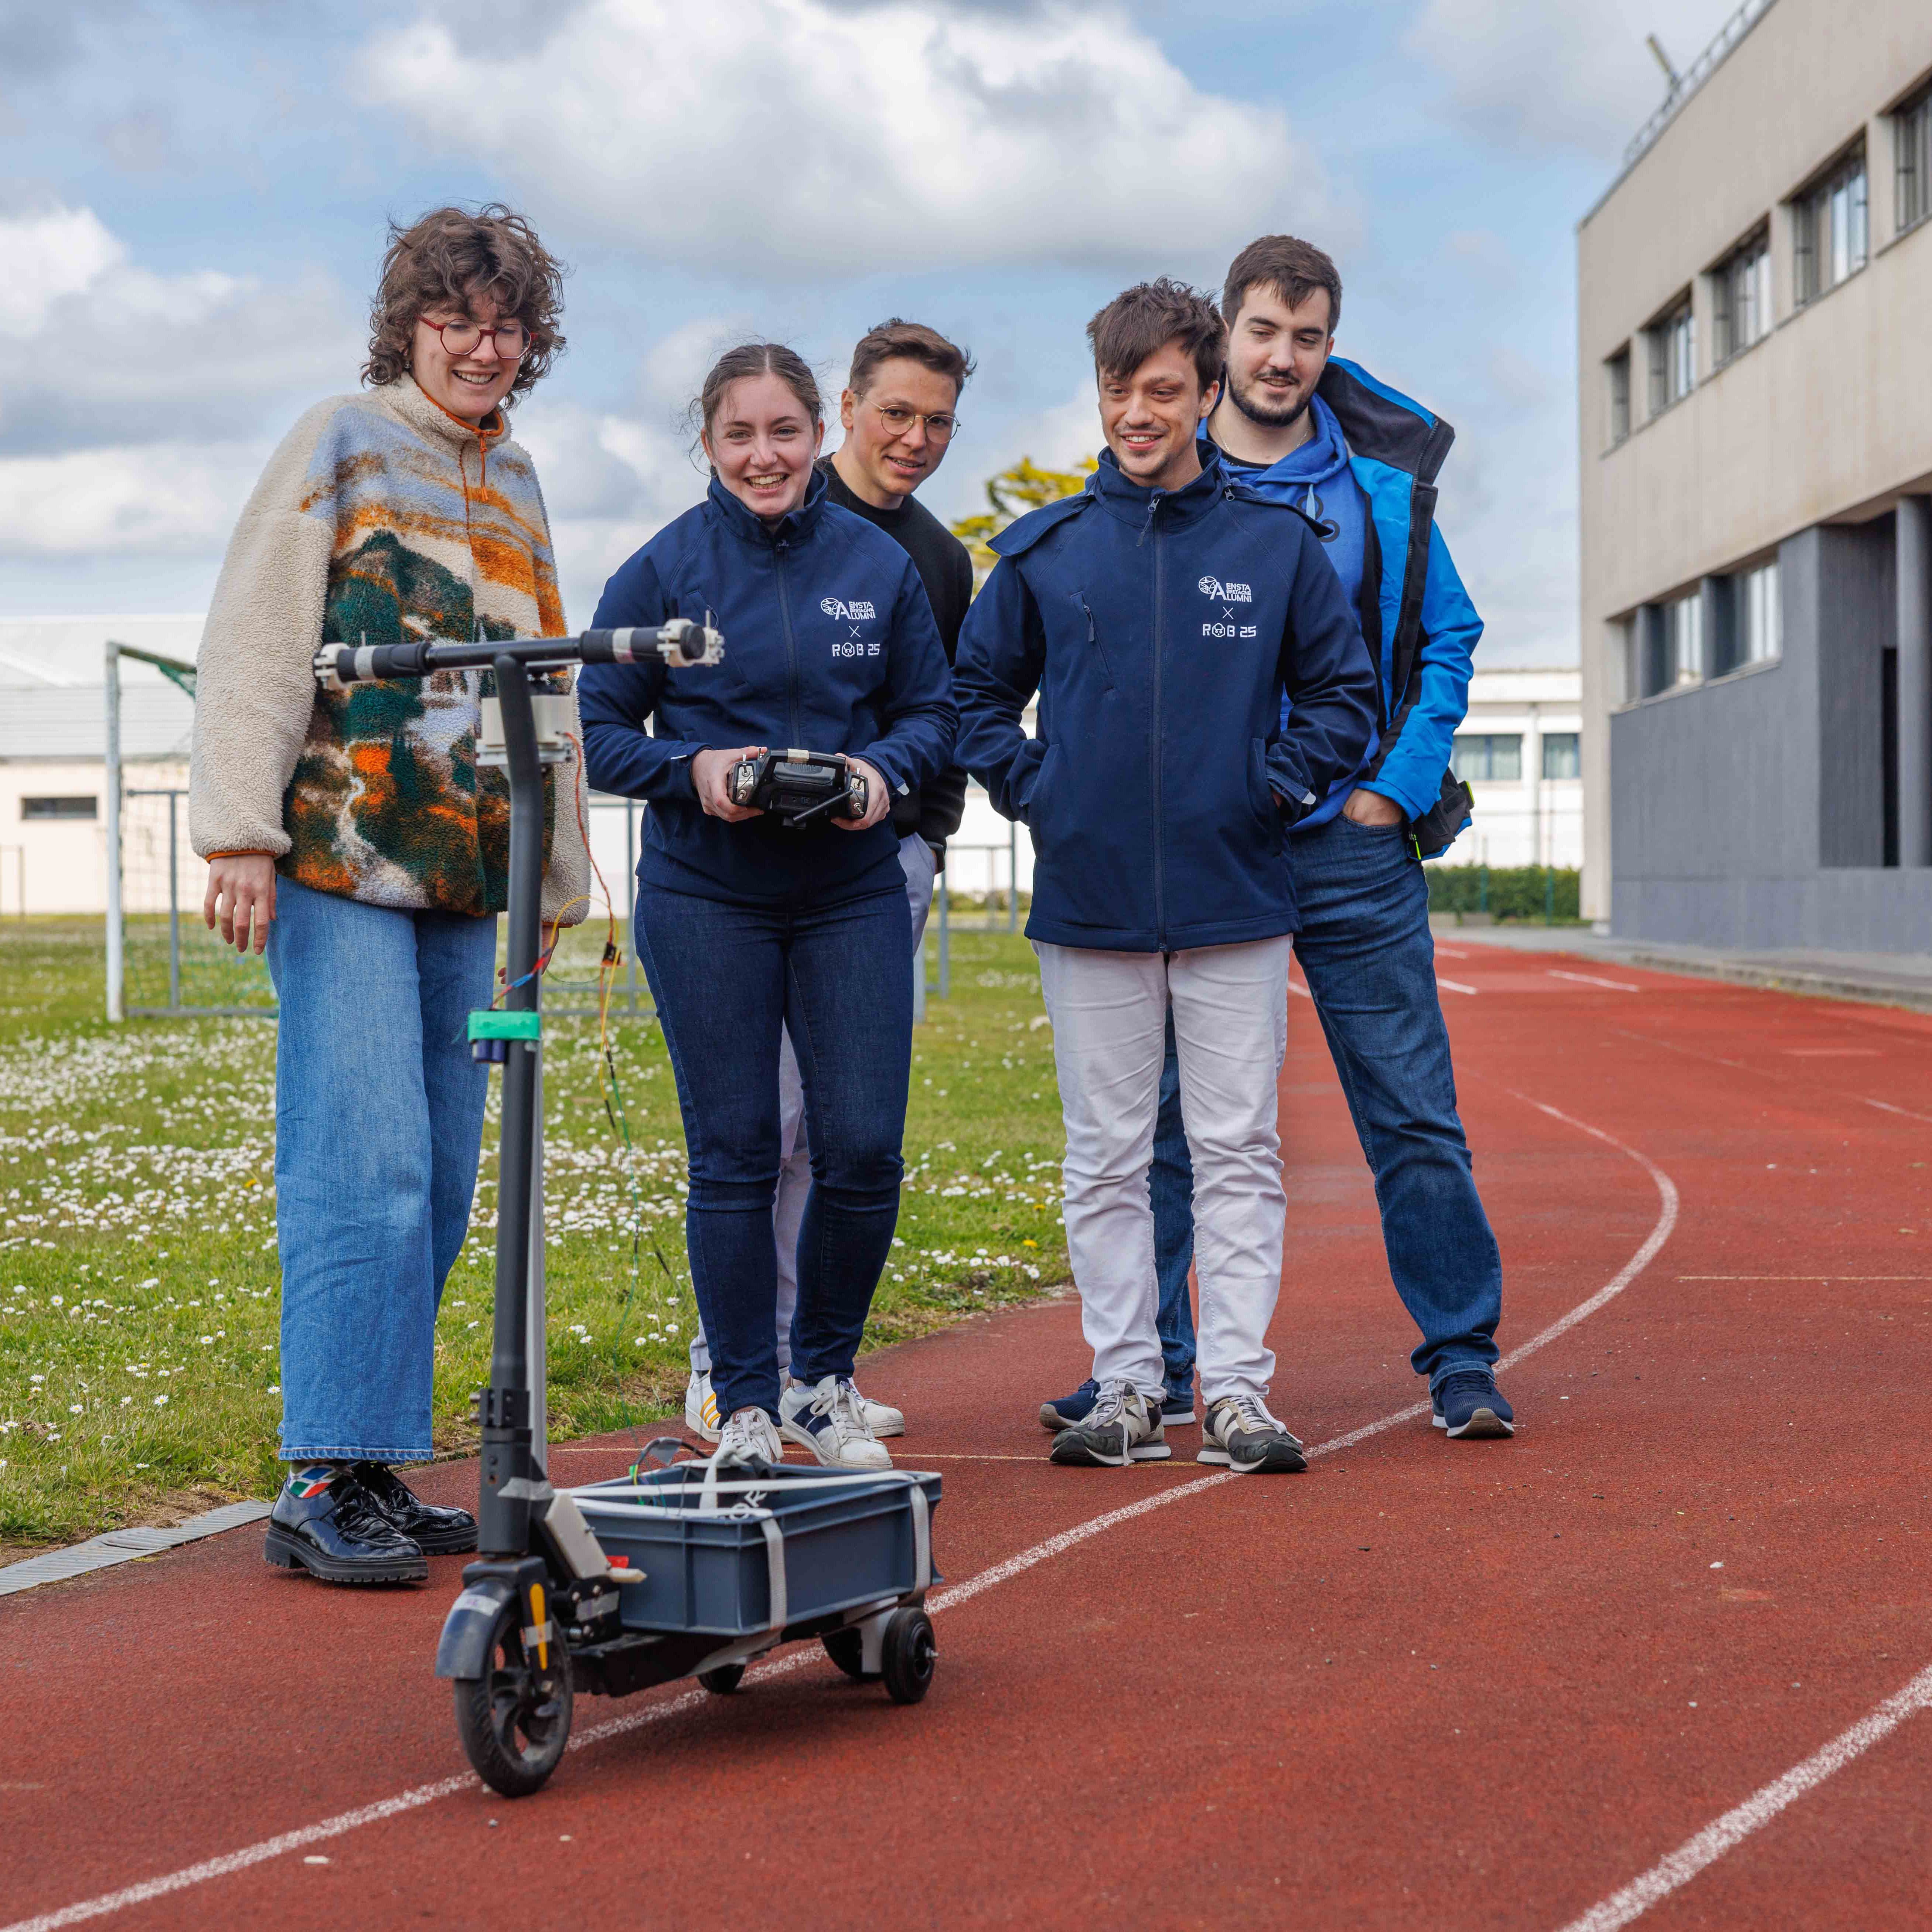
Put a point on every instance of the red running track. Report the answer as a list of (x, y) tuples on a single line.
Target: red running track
[(1429, 1685)]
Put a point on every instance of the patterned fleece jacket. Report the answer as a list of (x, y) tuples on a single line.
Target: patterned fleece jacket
[(380, 517)]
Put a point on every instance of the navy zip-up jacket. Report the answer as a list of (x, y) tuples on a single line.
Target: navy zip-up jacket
[(1161, 629), (830, 646)]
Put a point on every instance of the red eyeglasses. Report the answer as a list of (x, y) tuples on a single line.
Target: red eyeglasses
[(461, 337)]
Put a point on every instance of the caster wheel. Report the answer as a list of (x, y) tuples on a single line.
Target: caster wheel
[(847, 1648), (907, 1655), (722, 1681), (514, 1719)]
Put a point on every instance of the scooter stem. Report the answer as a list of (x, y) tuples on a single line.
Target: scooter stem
[(510, 1477)]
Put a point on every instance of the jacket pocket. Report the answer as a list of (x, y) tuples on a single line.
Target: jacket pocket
[(1037, 799), (1261, 795), (1098, 650)]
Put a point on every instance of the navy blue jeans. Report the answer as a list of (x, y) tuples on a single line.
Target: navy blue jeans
[(1366, 951), (726, 978)]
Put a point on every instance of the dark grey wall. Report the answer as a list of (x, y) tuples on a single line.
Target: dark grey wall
[(1748, 811), (1851, 609)]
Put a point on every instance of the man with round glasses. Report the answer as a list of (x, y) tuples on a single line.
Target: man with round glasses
[(899, 412)]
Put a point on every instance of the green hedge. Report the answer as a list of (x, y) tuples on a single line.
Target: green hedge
[(1513, 892)]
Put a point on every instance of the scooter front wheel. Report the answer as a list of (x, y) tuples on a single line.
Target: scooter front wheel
[(514, 1719)]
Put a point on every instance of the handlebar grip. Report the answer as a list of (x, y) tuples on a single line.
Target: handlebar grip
[(338, 665), (681, 643)]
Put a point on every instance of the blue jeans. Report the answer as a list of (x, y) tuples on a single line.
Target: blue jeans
[(1171, 1185), (1366, 951), (728, 980), (379, 1128)]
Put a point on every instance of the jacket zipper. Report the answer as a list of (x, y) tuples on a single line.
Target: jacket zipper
[(1159, 625), (791, 648)]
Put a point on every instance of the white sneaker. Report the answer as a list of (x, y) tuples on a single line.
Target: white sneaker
[(830, 1421), (748, 1437), (881, 1418), (700, 1405)]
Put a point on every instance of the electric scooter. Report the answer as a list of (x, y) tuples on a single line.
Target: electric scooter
[(678, 1570)]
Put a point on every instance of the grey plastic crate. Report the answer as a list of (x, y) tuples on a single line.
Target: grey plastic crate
[(817, 1541)]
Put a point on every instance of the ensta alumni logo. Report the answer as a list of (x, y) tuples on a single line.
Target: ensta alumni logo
[(1227, 595), (851, 614)]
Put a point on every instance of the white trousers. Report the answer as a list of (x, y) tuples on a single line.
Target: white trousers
[(919, 862), (1109, 1013)]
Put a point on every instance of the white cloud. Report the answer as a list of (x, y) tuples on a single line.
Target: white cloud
[(903, 135), (50, 254), (102, 351), (156, 498), (1561, 75)]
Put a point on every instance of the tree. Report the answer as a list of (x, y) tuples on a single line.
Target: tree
[(1024, 486)]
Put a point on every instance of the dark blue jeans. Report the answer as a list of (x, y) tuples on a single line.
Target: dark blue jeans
[(1171, 1185), (1366, 951), (726, 978)]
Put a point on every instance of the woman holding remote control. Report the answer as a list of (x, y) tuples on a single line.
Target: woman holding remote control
[(745, 926)]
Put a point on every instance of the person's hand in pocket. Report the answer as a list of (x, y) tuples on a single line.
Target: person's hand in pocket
[(1371, 808)]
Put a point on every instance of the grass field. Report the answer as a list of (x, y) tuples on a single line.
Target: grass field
[(139, 1294)]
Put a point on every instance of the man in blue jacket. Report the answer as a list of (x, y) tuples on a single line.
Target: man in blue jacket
[(1162, 615), (1323, 434)]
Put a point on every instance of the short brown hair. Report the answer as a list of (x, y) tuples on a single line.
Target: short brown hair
[(1143, 319), (758, 358), (457, 256), (914, 342), (1294, 269)]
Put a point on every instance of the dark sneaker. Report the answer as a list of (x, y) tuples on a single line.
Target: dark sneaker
[(435, 1530), (326, 1522), (1240, 1432), (1123, 1427), (1177, 1406), (1068, 1409), (1468, 1402)]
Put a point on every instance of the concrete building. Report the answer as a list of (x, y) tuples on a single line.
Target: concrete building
[(53, 780), (1754, 314), (1519, 748)]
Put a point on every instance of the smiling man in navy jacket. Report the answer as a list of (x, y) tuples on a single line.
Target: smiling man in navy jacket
[(1162, 615)]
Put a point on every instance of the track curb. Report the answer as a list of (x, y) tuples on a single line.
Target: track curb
[(124, 1545)]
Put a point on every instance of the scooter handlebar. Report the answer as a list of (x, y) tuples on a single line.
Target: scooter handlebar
[(683, 643)]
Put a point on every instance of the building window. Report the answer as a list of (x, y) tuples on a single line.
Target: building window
[(1673, 356), (1830, 230), (1912, 129), (1562, 755), (1684, 633), (59, 808), (1616, 371), (1478, 756), (1740, 297), (1760, 616)]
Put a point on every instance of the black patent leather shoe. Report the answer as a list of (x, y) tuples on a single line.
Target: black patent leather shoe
[(434, 1530), (326, 1522)]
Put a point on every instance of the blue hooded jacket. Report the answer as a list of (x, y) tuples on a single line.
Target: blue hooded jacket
[(1160, 629), (1420, 626), (830, 646)]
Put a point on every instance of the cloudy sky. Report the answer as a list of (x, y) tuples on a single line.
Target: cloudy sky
[(193, 199)]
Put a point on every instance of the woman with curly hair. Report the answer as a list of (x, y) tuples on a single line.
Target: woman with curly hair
[(353, 836)]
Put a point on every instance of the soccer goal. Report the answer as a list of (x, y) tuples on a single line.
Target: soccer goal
[(163, 960)]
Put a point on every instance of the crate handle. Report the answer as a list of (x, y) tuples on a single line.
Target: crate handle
[(922, 1535), (775, 1570)]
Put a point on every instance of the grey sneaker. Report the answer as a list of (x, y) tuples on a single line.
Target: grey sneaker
[(830, 1421), (1123, 1427), (1240, 1432), (749, 1437)]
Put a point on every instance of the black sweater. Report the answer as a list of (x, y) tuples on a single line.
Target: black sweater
[(934, 809)]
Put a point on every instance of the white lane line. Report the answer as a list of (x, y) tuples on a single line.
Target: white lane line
[(1294, 987), (1453, 986), (1886, 1107), (1592, 979), (229, 1862), (1725, 1833), (1450, 953)]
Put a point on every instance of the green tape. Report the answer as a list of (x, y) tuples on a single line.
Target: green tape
[(498, 1025)]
